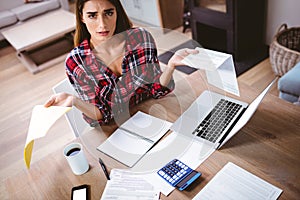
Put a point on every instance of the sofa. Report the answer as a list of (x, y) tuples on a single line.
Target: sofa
[(15, 12), (289, 85)]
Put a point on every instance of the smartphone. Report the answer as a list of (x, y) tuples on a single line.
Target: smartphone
[(80, 192)]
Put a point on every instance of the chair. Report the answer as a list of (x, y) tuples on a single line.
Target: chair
[(289, 85), (74, 116)]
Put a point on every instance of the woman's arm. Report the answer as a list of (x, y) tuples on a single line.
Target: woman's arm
[(89, 100), (65, 99), (88, 109), (166, 76)]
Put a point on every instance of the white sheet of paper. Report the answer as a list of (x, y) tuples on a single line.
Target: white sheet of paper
[(147, 126), (205, 59), (219, 68), (41, 121), (232, 182), (126, 185)]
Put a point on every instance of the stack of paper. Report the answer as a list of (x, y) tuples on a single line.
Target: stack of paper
[(235, 183)]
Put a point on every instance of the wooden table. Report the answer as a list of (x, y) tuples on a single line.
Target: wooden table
[(268, 146), (33, 36)]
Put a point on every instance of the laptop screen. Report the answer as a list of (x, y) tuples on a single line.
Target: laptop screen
[(248, 113)]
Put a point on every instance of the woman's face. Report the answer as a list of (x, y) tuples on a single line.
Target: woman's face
[(100, 17)]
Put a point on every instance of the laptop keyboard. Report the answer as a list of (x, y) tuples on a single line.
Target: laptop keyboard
[(217, 120)]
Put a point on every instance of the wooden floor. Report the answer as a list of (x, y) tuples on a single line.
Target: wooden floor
[(21, 91)]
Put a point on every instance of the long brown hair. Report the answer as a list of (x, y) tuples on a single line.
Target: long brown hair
[(81, 33)]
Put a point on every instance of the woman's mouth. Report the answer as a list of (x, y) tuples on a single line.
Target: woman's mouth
[(103, 33)]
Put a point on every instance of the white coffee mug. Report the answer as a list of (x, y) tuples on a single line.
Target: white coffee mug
[(75, 156)]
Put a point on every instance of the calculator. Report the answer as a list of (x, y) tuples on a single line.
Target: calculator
[(178, 174)]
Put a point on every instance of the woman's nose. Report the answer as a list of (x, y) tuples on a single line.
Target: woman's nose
[(101, 22)]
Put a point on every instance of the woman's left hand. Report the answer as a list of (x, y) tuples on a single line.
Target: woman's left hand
[(179, 55), (175, 60)]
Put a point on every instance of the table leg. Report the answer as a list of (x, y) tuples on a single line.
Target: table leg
[(33, 67)]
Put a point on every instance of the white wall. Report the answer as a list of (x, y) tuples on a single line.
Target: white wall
[(279, 12), (145, 11)]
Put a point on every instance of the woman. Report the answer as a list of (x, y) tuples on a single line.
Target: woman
[(113, 66)]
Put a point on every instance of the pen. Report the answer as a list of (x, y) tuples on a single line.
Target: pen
[(104, 168)]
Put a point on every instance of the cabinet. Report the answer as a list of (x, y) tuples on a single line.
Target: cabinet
[(234, 26), (158, 13)]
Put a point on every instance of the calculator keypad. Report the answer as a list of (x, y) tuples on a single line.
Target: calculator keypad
[(174, 172)]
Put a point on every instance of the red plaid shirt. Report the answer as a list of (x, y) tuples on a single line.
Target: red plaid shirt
[(97, 84)]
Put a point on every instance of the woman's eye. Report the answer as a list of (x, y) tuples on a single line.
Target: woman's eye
[(92, 16), (109, 13)]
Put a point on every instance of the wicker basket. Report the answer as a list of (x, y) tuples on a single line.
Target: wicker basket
[(285, 49)]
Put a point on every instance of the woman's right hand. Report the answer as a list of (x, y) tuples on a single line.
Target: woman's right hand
[(60, 99), (68, 100)]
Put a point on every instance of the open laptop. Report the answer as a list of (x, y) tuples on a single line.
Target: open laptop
[(202, 121)]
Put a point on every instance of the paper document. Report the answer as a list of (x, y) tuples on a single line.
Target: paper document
[(219, 68), (124, 185), (131, 141), (233, 182), (41, 121)]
